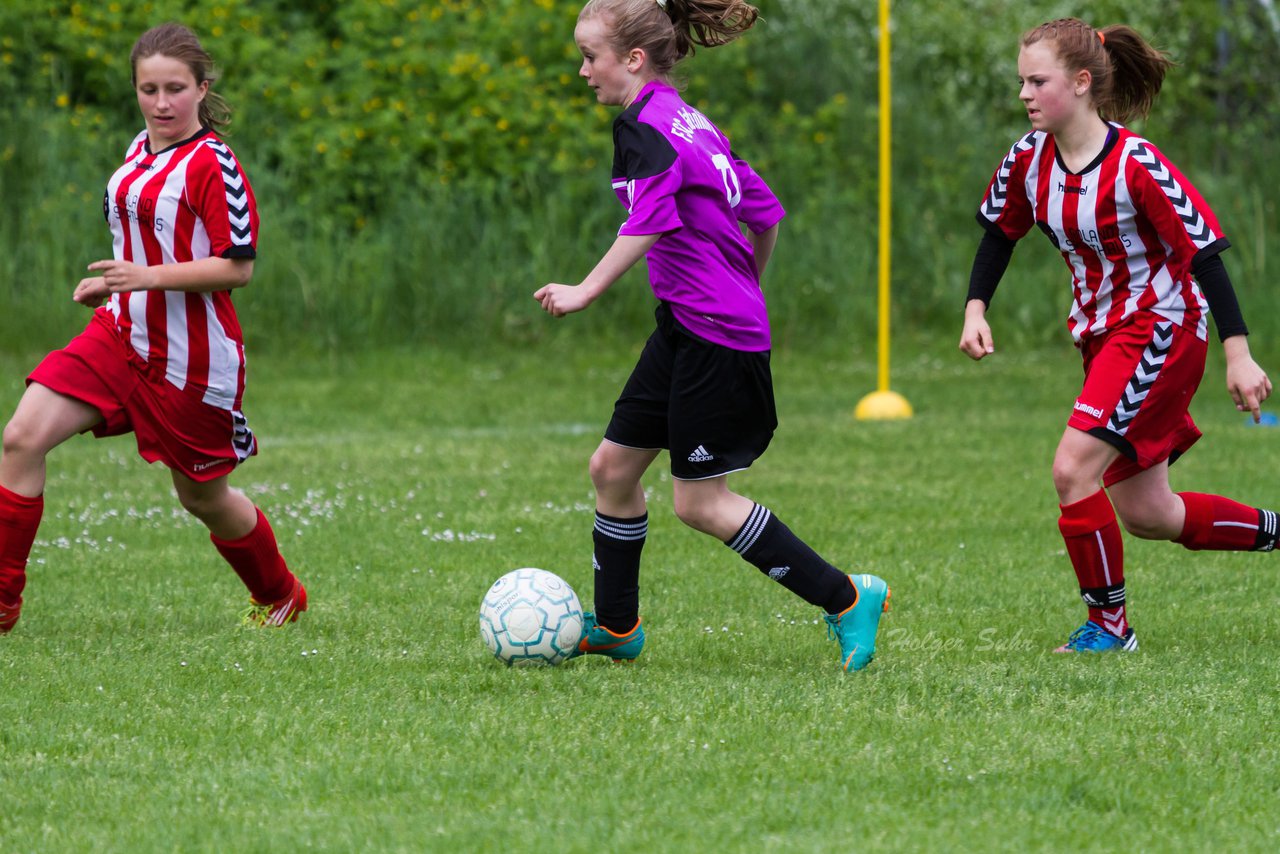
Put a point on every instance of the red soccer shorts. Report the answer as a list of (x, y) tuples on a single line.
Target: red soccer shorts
[(171, 426), (1138, 383)]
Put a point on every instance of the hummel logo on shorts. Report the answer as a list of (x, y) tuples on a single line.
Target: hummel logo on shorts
[(778, 571), (700, 455)]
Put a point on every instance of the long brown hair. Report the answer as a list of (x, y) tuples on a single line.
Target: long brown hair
[(1127, 71), (177, 42), (668, 31)]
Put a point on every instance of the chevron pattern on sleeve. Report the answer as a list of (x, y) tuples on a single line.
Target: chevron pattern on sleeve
[(1197, 229), (237, 195), (994, 202)]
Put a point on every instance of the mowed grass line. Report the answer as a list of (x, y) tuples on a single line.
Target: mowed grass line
[(136, 716)]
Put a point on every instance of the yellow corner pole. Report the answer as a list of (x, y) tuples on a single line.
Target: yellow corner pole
[(883, 403)]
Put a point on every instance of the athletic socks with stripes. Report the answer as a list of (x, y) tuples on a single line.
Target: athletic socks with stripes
[(1092, 536), (1220, 524), (616, 560), (766, 543)]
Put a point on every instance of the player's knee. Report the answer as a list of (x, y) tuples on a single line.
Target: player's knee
[(1067, 480), (1143, 529), (696, 514), (607, 473), (1147, 524), (200, 503), (194, 504), (691, 514), (20, 439)]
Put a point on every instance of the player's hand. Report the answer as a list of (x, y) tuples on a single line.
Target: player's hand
[(975, 340), (91, 292), (558, 300), (1248, 385), (124, 276)]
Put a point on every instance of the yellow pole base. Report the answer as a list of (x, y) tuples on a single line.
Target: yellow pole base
[(882, 406)]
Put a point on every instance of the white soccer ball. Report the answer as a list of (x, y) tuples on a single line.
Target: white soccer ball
[(531, 616)]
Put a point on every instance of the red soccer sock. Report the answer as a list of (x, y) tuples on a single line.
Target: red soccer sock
[(257, 560), (19, 519), (1220, 524), (1092, 535)]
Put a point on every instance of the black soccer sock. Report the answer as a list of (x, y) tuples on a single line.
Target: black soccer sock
[(618, 543), (769, 545)]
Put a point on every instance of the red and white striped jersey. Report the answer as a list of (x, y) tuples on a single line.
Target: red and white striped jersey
[(187, 202), (1129, 226)]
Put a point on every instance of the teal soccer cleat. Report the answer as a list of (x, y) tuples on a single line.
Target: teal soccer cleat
[(1091, 637), (597, 640), (855, 627)]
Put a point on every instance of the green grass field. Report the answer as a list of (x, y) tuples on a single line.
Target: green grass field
[(136, 715)]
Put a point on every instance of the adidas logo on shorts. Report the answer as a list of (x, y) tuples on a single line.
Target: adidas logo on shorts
[(700, 455)]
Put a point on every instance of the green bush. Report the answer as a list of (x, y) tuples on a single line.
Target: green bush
[(423, 166)]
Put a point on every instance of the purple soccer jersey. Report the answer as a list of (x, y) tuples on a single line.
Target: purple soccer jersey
[(674, 172)]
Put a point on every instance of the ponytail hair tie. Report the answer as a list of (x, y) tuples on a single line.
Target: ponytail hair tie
[(1102, 39), (662, 4)]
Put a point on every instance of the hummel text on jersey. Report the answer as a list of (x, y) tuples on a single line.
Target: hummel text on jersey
[(1079, 191), (687, 121), (1088, 410)]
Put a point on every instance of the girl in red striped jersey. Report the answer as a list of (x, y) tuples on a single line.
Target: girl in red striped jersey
[(1143, 250), (163, 355)]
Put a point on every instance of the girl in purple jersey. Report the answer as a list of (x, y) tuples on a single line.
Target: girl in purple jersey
[(1143, 249), (702, 388)]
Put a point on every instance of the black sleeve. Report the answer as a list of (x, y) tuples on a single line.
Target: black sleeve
[(1215, 284), (639, 150), (989, 264)]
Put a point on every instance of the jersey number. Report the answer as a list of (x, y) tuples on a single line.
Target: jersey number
[(732, 189)]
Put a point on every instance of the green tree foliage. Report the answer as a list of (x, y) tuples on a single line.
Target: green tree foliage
[(353, 104), (407, 134)]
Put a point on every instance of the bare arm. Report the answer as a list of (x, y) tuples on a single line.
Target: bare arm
[(762, 244), (205, 275), (559, 300)]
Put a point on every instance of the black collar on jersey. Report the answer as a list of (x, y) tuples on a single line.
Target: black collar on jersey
[(1112, 137), (146, 143)]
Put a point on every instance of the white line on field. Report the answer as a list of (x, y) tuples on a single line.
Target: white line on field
[(437, 432)]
